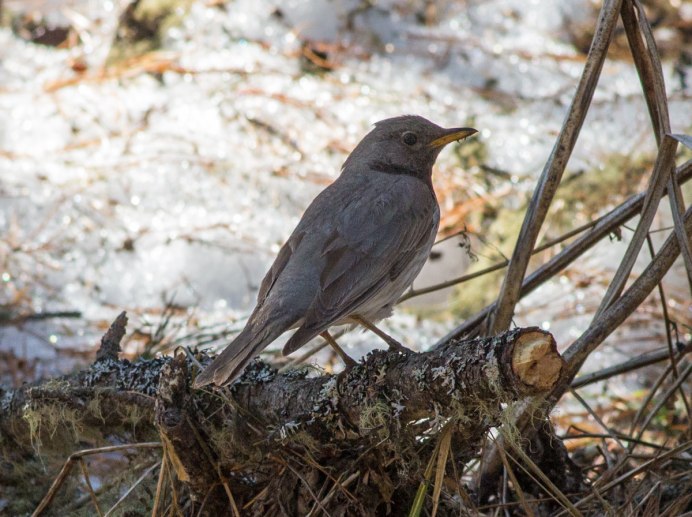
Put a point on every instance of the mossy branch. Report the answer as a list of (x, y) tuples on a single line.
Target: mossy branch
[(389, 404)]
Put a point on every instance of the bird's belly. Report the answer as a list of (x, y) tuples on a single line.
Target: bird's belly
[(381, 304)]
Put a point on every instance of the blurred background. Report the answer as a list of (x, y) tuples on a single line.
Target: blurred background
[(155, 154)]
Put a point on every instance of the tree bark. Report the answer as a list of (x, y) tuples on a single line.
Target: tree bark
[(289, 442)]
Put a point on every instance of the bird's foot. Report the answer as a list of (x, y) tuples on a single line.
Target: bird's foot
[(349, 362), (395, 346)]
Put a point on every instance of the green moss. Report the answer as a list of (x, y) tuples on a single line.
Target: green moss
[(581, 197), (134, 416), (95, 407), (55, 422), (375, 417)]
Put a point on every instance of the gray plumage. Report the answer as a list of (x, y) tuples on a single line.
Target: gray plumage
[(359, 245)]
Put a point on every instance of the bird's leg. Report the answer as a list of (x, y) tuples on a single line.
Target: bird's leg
[(347, 359), (393, 343)]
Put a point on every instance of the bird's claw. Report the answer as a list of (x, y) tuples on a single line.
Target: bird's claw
[(395, 346)]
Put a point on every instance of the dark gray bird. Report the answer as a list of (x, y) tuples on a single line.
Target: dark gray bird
[(359, 245)]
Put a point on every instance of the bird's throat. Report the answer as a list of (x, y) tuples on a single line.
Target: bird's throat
[(389, 168)]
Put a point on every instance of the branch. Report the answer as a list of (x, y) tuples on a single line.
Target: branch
[(554, 167), (665, 164), (604, 226), (233, 445), (602, 326)]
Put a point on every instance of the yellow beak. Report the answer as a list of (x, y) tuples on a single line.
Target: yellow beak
[(457, 133)]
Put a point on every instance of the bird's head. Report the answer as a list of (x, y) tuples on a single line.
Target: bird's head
[(403, 145)]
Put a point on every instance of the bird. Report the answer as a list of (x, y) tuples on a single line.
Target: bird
[(358, 246)]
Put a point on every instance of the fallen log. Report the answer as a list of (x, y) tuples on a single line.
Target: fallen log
[(289, 442)]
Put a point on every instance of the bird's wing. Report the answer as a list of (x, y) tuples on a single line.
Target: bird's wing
[(370, 245), (279, 264)]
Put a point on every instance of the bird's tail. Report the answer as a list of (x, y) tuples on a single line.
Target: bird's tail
[(232, 361)]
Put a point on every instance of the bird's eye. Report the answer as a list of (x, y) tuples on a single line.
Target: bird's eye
[(409, 138)]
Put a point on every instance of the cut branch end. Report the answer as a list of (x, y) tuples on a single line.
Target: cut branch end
[(536, 361)]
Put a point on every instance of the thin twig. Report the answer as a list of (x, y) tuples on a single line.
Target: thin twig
[(612, 317), (548, 485), (141, 478), (676, 385), (659, 177), (515, 482), (669, 337), (604, 226), (20, 318), (327, 499), (495, 267), (641, 468), (87, 481), (649, 397), (554, 168), (621, 436), (648, 63), (635, 363), (158, 497), (598, 419), (67, 467), (598, 331), (309, 489)]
